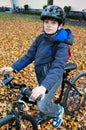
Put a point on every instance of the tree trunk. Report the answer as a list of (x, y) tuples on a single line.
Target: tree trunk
[(50, 2)]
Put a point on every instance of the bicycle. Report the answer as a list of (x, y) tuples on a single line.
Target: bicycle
[(16, 119), (72, 96)]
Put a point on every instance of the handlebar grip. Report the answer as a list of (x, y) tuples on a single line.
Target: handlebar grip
[(39, 98), (26, 91)]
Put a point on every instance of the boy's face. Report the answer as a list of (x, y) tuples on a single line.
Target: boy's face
[(50, 26)]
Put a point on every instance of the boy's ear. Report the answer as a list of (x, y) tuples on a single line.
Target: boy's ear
[(60, 26)]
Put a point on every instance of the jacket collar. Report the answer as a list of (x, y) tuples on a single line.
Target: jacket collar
[(62, 35)]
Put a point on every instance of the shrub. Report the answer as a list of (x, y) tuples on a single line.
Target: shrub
[(2, 9), (26, 7), (67, 9), (44, 6)]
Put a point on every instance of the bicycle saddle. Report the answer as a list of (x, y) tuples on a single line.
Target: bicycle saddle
[(70, 66)]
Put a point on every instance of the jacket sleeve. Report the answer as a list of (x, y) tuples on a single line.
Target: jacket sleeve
[(26, 59), (56, 71)]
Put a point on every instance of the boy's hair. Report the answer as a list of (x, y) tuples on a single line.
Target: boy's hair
[(53, 11)]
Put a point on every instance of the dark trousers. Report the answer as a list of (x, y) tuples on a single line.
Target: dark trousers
[(47, 106)]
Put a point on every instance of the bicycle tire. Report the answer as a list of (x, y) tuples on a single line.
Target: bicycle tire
[(26, 122), (31, 120), (6, 120), (72, 100)]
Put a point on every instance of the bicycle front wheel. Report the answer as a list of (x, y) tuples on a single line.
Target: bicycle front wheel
[(26, 122), (4, 122), (75, 94)]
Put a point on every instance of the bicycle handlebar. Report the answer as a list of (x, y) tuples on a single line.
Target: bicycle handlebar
[(8, 81), (26, 91)]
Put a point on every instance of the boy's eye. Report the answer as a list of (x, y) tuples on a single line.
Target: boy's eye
[(53, 22), (46, 21)]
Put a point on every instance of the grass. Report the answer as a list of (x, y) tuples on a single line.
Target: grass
[(2, 15), (20, 16), (33, 18)]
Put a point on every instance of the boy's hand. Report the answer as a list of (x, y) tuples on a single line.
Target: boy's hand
[(7, 69), (37, 91)]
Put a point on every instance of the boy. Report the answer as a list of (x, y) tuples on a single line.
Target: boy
[(50, 53)]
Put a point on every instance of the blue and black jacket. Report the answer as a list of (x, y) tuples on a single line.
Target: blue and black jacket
[(49, 54)]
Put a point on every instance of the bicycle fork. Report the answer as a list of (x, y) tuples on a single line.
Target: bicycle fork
[(17, 114)]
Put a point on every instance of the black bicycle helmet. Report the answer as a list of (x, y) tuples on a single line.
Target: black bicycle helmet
[(53, 11)]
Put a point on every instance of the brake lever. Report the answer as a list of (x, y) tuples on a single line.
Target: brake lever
[(7, 81), (21, 101)]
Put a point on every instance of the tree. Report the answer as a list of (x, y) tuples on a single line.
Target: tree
[(50, 2)]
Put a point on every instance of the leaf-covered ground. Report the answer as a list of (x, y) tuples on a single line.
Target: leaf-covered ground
[(16, 35)]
